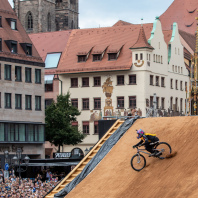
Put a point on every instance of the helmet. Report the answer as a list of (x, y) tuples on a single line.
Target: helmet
[(140, 133)]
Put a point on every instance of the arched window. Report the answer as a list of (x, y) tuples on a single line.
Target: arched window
[(57, 26), (72, 24), (29, 21), (48, 22)]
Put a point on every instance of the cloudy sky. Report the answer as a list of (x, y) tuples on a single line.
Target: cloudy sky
[(103, 13)]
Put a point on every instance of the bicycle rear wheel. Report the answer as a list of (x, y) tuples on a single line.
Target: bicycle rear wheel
[(138, 162), (164, 148)]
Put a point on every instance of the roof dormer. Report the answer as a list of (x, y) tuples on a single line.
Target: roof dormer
[(83, 53), (98, 52), (114, 51), (12, 22), (12, 45), (27, 47)]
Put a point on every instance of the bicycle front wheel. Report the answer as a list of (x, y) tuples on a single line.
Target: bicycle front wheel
[(138, 162), (164, 148)]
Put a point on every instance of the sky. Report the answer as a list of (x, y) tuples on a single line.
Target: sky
[(105, 13)]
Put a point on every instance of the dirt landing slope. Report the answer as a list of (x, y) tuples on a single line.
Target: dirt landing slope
[(175, 177)]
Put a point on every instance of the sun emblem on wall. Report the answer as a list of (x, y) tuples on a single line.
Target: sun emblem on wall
[(139, 63)]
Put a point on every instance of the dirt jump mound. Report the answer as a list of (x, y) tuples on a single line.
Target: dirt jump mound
[(176, 177)]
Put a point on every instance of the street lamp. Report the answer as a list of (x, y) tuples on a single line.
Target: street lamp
[(17, 162)]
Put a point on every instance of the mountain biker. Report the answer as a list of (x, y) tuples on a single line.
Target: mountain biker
[(146, 140)]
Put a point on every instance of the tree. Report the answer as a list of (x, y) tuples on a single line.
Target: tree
[(58, 118)]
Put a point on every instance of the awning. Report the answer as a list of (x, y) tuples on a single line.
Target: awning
[(49, 79)]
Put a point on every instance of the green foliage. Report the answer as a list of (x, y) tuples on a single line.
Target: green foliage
[(58, 118)]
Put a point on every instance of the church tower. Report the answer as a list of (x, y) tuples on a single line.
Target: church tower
[(66, 14), (36, 16), (47, 15)]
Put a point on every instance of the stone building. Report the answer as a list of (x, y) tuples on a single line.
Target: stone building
[(22, 111), (47, 15)]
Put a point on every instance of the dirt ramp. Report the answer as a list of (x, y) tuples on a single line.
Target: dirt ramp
[(176, 177)]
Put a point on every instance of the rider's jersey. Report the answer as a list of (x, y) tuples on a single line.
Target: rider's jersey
[(147, 138)]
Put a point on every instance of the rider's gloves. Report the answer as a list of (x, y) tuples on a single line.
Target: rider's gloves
[(134, 146)]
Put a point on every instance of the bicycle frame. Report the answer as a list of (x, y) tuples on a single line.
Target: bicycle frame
[(142, 151)]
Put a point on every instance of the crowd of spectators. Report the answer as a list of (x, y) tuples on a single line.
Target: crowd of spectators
[(27, 187)]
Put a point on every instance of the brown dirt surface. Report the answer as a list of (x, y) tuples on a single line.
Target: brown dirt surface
[(175, 177)]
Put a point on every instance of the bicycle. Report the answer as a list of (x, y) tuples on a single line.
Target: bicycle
[(138, 161)]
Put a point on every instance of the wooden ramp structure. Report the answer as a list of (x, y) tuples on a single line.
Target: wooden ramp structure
[(78, 169)]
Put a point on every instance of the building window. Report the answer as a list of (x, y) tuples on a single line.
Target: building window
[(18, 101), (157, 102), (171, 103), (151, 101), (74, 102), (181, 104), (0, 21), (153, 57), (176, 82), (176, 104), (97, 103), (120, 102), (151, 79), (162, 82), (85, 102), (75, 124), (49, 22), (171, 83), (96, 130), (132, 79), (181, 70), (112, 56), (85, 82), (181, 85), (14, 47), (141, 56), (37, 75), (162, 102), (28, 75), (120, 80), (48, 102), (49, 87), (0, 99), (178, 69), (132, 102), (28, 102), (37, 102), (7, 72), (18, 73), (97, 57), (29, 21), (13, 24), (85, 127), (157, 80), (8, 101), (161, 60), (74, 82), (81, 58), (173, 68), (136, 56), (97, 81)]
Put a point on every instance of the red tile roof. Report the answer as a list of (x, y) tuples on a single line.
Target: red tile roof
[(142, 41), (113, 38), (183, 12), (19, 35), (49, 42)]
